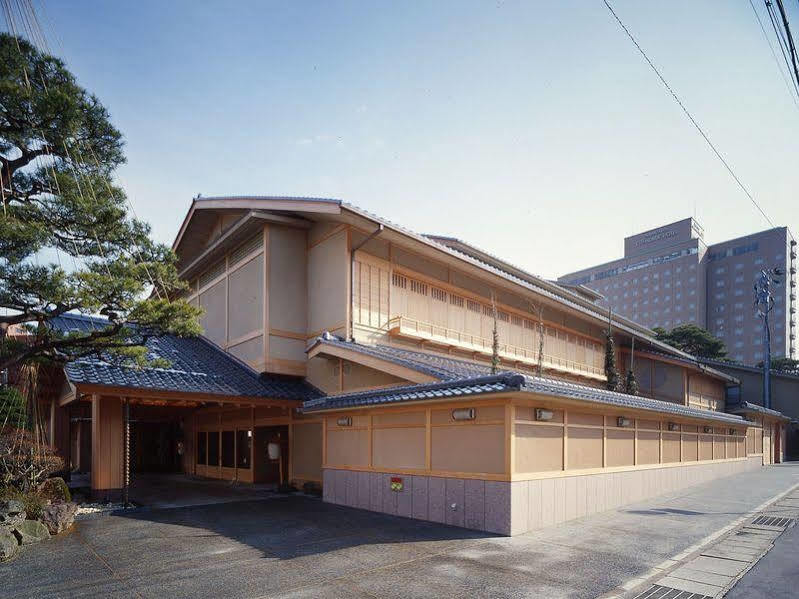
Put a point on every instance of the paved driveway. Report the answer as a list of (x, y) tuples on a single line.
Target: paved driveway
[(301, 547)]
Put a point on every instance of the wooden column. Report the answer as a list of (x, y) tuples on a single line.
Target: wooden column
[(107, 445)]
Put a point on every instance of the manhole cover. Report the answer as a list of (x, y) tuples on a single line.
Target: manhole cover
[(661, 592), (772, 521)]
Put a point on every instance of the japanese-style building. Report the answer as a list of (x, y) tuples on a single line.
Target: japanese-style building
[(363, 351)]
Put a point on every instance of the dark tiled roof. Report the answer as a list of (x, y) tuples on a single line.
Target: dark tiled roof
[(441, 367), (509, 381), (196, 366), (747, 406)]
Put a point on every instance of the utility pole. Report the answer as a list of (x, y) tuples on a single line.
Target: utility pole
[(764, 303)]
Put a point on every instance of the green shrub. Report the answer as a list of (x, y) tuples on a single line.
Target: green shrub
[(55, 489), (33, 502)]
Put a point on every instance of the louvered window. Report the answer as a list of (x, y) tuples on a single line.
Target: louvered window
[(456, 300), (399, 281), (419, 287), (245, 249), (438, 294)]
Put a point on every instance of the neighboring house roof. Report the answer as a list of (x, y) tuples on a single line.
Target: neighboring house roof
[(746, 368), (438, 366), (196, 366), (747, 407), (511, 382)]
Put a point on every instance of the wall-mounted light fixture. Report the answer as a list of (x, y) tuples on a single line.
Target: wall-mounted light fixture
[(708, 429), (673, 426), (542, 414), (344, 421), (623, 422), (464, 414)]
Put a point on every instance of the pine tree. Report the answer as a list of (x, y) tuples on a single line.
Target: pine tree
[(611, 371), (58, 153)]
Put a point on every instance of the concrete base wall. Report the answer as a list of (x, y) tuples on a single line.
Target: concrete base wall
[(543, 502), (512, 508)]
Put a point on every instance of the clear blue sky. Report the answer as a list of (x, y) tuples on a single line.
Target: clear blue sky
[(532, 129)]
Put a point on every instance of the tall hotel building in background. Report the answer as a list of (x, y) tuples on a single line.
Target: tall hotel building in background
[(669, 276)]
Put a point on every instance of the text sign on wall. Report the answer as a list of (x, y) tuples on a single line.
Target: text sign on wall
[(396, 483)]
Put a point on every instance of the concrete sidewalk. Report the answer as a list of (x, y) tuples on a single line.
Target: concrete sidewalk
[(301, 547)]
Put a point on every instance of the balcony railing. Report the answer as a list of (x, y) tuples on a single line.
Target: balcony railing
[(410, 327)]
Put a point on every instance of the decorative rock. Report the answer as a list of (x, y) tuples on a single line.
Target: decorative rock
[(11, 506), (31, 531), (9, 522), (8, 545), (58, 517), (55, 489)]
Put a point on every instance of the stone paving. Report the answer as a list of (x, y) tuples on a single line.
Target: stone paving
[(715, 569), (300, 547)]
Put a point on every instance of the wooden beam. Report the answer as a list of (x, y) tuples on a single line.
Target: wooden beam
[(172, 396)]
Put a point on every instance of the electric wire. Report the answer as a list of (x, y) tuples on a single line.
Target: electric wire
[(793, 90), (691, 118)]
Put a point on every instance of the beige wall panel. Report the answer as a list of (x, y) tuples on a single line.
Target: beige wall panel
[(650, 425), (328, 266), (263, 412), (395, 418), (282, 348), (287, 280), (539, 448), (469, 448), (246, 299), (705, 447), (399, 448), (671, 447), (690, 451), (718, 447), (251, 351), (375, 247), (236, 417), (320, 230), (357, 376), (482, 414), (648, 447), (579, 418), (306, 451), (585, 447), (621, 447), (346, 447), (731, 447), (212, 300), (321, 374)]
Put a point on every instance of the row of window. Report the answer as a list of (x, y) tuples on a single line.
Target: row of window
[(230, 449)]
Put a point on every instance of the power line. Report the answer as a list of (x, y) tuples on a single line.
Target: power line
[(690, 116), (793, 91)]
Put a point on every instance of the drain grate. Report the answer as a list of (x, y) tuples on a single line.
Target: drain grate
[(661, 592), (772, 521)]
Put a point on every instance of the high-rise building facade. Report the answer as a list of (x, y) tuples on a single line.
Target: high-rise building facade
[(669, 276)]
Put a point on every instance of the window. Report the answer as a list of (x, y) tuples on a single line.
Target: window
[(758, 261), (438, 294), (720, 283), (213, 448), (739, 292), (228, 449), (202, 447), (456, 300), (399, 281), (516, 320), (473, 306), (721, 270), (739, 279), (418, 287), (243, 448)]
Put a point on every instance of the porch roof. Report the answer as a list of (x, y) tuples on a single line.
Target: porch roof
[(196, 365)]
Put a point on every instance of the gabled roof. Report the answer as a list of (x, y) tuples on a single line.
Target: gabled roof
[(196, 366), (508, 382)]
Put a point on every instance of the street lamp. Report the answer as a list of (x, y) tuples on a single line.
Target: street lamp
[(764, 303)]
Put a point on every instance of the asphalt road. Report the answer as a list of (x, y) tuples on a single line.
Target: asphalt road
[(776, 575), (302, 547)]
